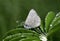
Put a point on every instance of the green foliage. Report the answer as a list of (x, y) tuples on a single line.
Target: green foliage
[(21, 34), (50, 16), (13, 10), (56, 20), (52, 34)]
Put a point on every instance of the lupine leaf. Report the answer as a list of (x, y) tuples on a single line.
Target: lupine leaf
[(54, 34), (55, 21), (20, 33), (48, 19)]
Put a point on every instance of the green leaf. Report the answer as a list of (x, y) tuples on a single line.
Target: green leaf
[(50, 16), (55, 21), (20, 33), (54, 34), (30, 39), (19, 30), (42, 26), (7, 38)]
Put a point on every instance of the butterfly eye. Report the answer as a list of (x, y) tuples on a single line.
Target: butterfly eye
[(26, 25)]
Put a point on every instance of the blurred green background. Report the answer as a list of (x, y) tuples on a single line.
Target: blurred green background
[(13, 10)]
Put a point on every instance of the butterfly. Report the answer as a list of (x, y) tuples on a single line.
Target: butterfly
[(32, 20)]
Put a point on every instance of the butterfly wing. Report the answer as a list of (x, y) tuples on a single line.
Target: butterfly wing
[(32, 20)]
